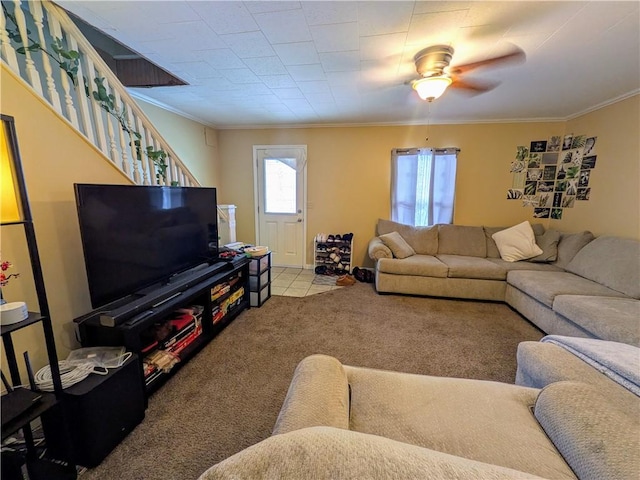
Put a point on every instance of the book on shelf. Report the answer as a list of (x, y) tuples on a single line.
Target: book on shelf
[(186, 341)]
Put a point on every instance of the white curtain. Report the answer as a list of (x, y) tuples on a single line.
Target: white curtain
[(423, 185)]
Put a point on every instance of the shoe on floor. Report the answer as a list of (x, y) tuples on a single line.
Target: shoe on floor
[(345, 280)]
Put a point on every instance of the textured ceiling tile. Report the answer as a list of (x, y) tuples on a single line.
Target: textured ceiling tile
[(378, 18), (314, 87), (340, 61), (284, 27), (288, 93), (342, 78), (225, 17), (221, 58), (305, 73), (435, 28), (248, 45), (316, 98), (295, 103), (266, 66), (340, 37), (432, 7), (199, 69), (301, 53), (326, 12), (278, 81), (377, 46), (262, 6), (240, 75)]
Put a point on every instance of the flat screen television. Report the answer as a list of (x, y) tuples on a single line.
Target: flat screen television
[(138, 237)]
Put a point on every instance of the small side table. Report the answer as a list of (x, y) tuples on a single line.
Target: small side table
[(260, 279)]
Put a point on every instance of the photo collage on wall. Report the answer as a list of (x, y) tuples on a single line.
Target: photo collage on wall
[(551, 175)]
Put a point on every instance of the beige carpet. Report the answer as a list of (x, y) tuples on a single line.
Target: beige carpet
[(229, 395)]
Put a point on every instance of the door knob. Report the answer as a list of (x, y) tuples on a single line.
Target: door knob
[(299, 220)]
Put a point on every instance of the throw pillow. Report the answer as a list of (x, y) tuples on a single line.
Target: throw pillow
[(548, 242), (423, 240), (517, 243), (397, 245)]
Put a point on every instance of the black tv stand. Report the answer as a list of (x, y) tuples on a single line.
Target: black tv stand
[(153, 297), (219, 291)]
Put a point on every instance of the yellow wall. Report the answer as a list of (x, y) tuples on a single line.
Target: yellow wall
[(348, 171), (194, 143), (54, 157), (614, 205)]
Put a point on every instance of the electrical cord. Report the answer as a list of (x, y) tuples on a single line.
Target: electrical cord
[(72, 372)]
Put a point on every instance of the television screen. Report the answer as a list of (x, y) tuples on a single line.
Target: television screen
[(137, 237)]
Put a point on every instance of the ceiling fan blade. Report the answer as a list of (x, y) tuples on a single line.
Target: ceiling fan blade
[(473, 88), (514, 56)]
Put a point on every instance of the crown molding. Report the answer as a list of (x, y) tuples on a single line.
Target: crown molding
[(604, 104)]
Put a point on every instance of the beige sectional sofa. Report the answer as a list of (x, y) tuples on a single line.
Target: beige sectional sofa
[(345, 422), (578, 286)]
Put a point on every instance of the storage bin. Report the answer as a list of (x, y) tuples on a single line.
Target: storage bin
[(261, 263), (258, 282)]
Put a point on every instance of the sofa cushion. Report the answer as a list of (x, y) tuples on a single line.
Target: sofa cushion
[(616, 319), (421, 265), (462, 266), (485, 421), (545, 286), (492, 248), (594, 435), (398, 246), (525, 265), (611, 261), (570, 244), (548, 242), (423, 240), (517, 243), (325, 453), (461, 240)]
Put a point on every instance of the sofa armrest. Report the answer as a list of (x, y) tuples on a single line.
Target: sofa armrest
[(323, 453), (318, 396), (378, 250)]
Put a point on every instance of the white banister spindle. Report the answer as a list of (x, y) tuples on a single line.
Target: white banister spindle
[(8, 53), (69, 107), (145, 164), (138, 165), (135, 164), (32, 71), (113, 148), (95, 107), (83, 101), (125, 138), (38, 18), (169, 172)]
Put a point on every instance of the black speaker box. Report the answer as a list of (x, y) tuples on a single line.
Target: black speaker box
[(95, 415)]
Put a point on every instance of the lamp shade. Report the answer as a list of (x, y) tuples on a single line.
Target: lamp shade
[(9, 193), (431, 88)]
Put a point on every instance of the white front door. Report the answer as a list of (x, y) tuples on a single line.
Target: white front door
[(280, 201)]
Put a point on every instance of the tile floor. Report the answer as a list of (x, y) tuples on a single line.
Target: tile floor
[(295, 282)]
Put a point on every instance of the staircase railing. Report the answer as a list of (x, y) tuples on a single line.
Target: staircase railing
[(43, 47)]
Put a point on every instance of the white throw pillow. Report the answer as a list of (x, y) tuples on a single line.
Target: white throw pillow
[(398, 246), (517, 243)]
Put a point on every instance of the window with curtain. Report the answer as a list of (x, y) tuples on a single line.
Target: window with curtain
[(423, 184)]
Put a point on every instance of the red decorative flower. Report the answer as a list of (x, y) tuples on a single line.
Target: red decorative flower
[(4, 278)]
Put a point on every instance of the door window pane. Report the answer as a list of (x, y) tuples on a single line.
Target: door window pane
[(280, 186)]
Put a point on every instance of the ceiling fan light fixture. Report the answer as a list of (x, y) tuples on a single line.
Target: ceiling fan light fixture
[(430, 88)]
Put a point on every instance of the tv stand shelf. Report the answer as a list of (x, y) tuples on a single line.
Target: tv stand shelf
[(152, 333)]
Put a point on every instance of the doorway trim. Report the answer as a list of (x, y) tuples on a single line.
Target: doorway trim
[(256, 194)]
